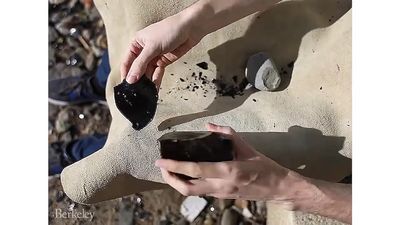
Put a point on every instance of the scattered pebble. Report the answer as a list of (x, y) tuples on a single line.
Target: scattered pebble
[(203, 65), (62, 123)]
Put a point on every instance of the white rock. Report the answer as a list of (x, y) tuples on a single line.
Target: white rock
[(192, 206), (261, 72)]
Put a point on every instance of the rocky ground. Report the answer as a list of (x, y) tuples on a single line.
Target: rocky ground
[(76, 42)]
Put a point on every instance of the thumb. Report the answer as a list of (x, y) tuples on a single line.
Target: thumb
[(139, 65)]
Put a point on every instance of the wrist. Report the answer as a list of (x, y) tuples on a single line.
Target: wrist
[(298, 192), (196, 17), (207, 16)]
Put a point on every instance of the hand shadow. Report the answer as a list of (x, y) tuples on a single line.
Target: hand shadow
[(305, 150), (273, 32)]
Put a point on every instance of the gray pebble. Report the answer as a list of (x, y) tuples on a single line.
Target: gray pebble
[(62, 122), (261, 72), (66, 137), (55, 71), (52, 56), (53, 35)]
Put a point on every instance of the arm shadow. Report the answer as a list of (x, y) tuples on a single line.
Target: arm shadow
[(304, 150), (278, 32)]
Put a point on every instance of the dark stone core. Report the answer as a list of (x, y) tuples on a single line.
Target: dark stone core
[(203, 65), (137, 102), (235, 79), (200, 146)]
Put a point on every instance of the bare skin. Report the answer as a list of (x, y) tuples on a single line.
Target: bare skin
[(162, 43), (251, 175)]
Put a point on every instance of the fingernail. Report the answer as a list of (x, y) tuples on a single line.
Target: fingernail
[(131, 79), (158, 163)]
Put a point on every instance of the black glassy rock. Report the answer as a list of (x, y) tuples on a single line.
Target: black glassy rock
[(137, 102), (195, 147), (203, 65)]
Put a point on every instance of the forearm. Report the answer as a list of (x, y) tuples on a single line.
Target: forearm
[(210, 15), (328, 199)]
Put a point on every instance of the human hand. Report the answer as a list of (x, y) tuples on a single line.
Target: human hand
[(158, 45), (250, 176)]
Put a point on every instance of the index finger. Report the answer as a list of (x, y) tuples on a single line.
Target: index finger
[(134, 50), (198, 187), (197, 170)]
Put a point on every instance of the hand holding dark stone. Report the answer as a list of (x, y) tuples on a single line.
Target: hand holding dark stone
[(196, 147)]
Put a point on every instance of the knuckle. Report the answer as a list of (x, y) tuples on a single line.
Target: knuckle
[(220, 186), (239, 176), (226, 168), (131, 47), (165, 60)]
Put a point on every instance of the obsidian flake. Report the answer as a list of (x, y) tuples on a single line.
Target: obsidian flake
[(137, 102), (203, 65)]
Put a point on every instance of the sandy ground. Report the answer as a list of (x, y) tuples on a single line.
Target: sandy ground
[(146, 208)]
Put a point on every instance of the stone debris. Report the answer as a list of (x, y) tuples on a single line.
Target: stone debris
[(203, 65), (202, 85), (63, 121)]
